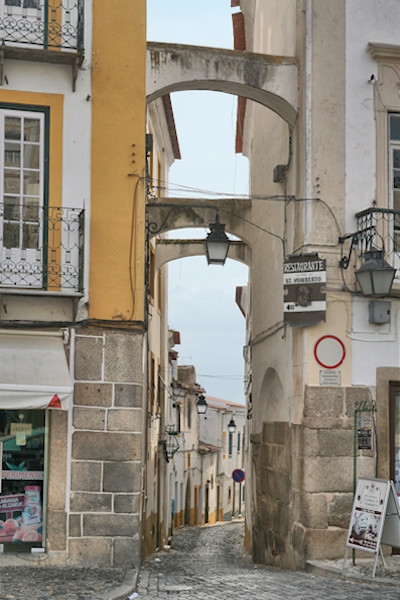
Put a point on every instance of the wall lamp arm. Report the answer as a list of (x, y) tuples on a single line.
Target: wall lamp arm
[(345, 260)]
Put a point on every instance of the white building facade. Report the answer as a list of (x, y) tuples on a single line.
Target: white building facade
[(324, 190)]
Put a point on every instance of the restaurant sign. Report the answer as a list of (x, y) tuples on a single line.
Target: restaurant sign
[(304, 281)]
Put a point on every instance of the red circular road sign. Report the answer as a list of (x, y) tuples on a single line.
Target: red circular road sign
[(329, 352), (238, 475)]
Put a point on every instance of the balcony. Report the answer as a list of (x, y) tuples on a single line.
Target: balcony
[(42, 30), (375, 243), (41, 250), (380, 228)]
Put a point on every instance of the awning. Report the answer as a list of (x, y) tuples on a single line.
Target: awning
[(33, 372)]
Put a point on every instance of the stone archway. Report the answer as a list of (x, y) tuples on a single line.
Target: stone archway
[(273, 480), (268, 80), (272, 401), (271, 81)]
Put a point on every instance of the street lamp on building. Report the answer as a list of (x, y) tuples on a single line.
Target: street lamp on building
[(231, 426), (217, 243), (201, 405), (375, 276)]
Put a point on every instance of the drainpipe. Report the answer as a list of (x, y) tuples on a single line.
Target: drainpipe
[(308, 118)]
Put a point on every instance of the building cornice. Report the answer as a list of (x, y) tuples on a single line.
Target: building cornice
[(384, 52)]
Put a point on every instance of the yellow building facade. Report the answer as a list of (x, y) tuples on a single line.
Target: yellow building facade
[(73, 381)]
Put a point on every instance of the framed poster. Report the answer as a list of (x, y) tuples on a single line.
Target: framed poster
[(367, 516), (375, 518)]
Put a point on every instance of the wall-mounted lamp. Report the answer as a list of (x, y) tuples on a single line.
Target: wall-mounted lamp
[(231, 426), (217, 243), (170, 444), (375, 276), (201, 405)]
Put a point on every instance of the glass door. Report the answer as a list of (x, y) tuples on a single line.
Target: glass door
[(22, 453), (394, 427)]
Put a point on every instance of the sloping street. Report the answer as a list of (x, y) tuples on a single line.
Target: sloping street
[(209, 563)]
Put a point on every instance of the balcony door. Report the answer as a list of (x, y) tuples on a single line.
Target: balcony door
[(22, 194)]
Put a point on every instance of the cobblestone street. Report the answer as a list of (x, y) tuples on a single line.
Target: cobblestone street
[(204, 563), (209, 563)]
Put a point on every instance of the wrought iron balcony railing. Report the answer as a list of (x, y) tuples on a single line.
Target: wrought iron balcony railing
[(377, 229), (380, 228), (45, 24), (42, 249)]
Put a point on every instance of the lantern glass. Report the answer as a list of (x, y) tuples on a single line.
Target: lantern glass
[(232, 426), (217, 243), (375, 276), (201, 405)]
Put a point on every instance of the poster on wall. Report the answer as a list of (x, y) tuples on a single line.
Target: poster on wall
[(21, 516), (304, 280)]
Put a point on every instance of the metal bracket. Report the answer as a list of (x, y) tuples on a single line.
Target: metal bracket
[(1, 66), (75, 65), (345, 260)]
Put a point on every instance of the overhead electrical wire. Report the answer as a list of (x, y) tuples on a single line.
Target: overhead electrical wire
[(168, 187)]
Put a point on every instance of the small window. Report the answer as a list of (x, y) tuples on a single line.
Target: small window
[(25, 4), (230, 444), (394, 174), (178, 417), (394, 127), (152, 383), (152, 274)]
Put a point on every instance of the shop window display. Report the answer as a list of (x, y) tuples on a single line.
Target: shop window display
[(22, 452)]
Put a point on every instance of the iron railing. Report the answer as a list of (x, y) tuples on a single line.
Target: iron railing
[(45, 253), (379, 228), (45, 24)]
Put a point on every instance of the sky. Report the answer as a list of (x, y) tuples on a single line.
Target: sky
[(201, 298)]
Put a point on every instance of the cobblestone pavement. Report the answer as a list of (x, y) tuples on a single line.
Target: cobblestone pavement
[(209, 563), (50, 583)]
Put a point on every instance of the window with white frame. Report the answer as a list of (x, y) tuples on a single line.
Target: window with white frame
[(394, 172), (22, 195), (23, 3), (21, 179)]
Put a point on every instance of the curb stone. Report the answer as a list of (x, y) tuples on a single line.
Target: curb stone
[(334, 569), (127, 588)]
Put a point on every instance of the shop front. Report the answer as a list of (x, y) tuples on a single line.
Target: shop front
[(34, 379), (23, 448), (394, 432)]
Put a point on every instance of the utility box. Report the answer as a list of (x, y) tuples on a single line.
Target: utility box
[(379, 312), (279, 173)]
